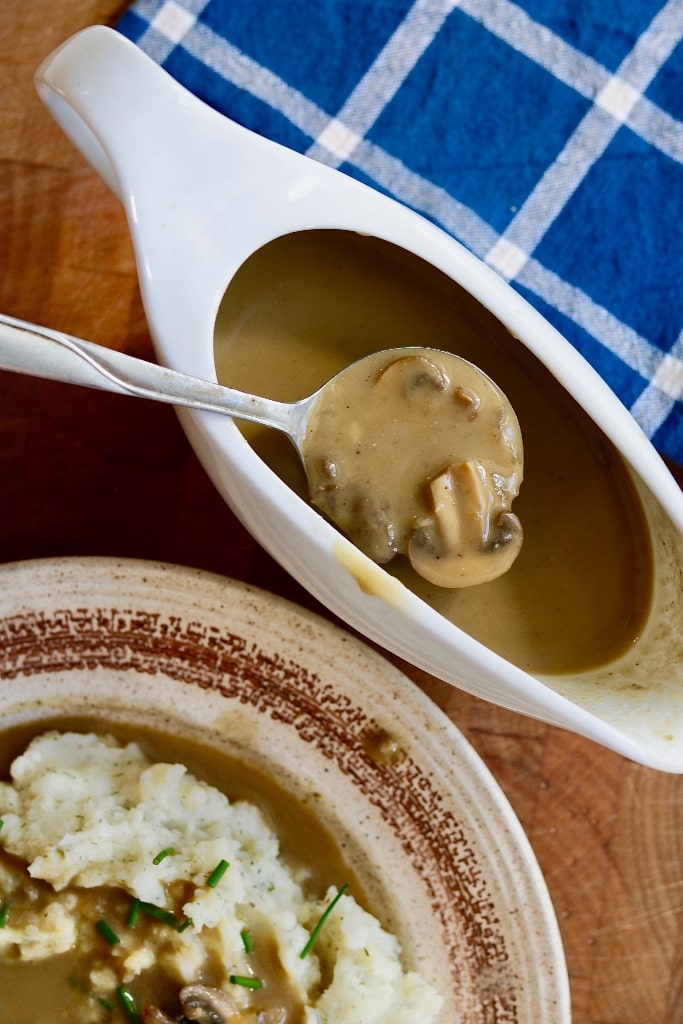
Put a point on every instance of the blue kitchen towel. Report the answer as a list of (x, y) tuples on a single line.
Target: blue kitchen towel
[(546, 135)]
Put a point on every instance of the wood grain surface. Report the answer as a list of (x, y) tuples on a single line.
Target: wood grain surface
[(83, 472)]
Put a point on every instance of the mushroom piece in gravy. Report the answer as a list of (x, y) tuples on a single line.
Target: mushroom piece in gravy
[(420, 455), (207, 1005)]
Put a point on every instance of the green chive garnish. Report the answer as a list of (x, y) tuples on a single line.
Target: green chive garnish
[(246, 941), (128, 1003), (159, 914), (1, 822), (217, 873), (133, 913), (165, 916), (4, 914), (239, 979), (325, 914), (163, 854), (107, 932)]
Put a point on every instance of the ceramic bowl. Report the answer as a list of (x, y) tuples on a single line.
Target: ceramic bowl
[(426, 830)]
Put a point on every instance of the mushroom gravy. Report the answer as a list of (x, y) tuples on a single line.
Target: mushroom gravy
[(60, 987), (308, 304), (419, 454)]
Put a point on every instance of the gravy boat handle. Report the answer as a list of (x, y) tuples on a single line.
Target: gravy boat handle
[(200, 192)]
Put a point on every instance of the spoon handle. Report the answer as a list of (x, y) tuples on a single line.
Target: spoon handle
[(41, 352)]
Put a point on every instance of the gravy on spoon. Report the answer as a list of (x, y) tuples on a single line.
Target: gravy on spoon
[(419, 454)]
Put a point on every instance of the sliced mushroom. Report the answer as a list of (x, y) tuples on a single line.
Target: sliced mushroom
[(277, 1015), (472, 538), (153, 1015), (208, 1005), (468, 400), (413, 373), (356, 511)]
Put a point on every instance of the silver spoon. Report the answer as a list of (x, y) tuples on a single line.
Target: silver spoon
[(41, 352), (467, 533)]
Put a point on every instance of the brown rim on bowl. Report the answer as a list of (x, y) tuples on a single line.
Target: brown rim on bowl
[(421, 820)]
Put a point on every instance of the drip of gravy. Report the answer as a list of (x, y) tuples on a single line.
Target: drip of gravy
[(308, 304)]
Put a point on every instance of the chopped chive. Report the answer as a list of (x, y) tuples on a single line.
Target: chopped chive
[(325, 914), (168, 851), (2, 822), (239, 979), (165, 916), (159, 914), (4, 914), (128, 1003), (217, 873), (133, 913), (107, 932), (246, 941)]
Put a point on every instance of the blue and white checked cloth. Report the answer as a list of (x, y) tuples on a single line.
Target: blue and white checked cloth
[(546, 135)]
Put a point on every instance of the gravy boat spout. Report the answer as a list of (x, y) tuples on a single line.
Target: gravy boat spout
[(218, 213)]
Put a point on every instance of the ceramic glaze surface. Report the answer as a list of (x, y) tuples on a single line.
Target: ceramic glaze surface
[(425, 828)]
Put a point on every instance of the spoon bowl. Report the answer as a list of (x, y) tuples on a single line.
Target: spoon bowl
[(203, 195)]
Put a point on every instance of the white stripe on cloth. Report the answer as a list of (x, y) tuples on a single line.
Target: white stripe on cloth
[(514, 26), (575, 69), (659, 129), (665, 388), (173, 21), (169, 22), (236, 67), (623, 341), (381, 81), (613, 105)]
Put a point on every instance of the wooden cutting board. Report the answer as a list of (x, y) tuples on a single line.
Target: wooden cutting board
[(83, 472)]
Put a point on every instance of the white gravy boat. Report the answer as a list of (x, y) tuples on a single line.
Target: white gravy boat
[(202, 194)]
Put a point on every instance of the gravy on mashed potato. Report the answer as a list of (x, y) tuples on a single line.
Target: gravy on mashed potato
[(132, 889)]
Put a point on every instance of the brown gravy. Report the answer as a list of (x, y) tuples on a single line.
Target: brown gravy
[(309, 304), (417, 452), (52, 990)]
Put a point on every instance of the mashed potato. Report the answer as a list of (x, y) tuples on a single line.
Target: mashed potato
[(92, 817)]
